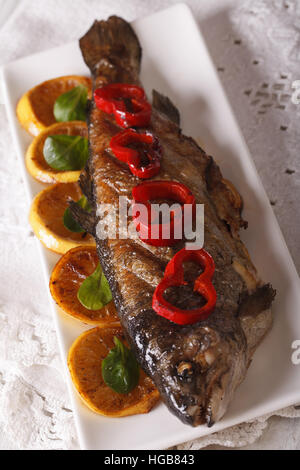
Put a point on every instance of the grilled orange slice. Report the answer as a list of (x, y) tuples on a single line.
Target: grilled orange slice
[(85, 364), (35, 161), (68, 275), (35, 108), (46, 218)]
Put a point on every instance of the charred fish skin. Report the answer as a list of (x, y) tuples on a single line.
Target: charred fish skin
[(197, 367)]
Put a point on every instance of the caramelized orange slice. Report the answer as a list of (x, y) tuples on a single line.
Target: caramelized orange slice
[(85, 364), (35, 161), (68, 275), (46, 218), (35, 108)]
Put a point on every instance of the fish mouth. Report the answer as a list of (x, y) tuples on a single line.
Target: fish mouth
[(211, 406), (219, 398)]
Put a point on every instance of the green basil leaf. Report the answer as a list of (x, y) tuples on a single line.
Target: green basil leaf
[(120, 370), (71, 106), (66, 152), (69, 221), (94, 293)]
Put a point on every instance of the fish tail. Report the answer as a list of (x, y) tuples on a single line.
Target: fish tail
[(111, 47)]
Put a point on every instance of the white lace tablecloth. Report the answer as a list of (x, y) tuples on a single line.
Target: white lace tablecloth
[(255, 45)]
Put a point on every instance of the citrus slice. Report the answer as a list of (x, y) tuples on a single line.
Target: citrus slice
[(35, 108), (46, 218), (66, 278), (35, 161), (85, 365)]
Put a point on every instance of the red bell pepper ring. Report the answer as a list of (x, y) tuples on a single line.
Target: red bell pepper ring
[(112, 100), (120, 146), (165, 233), (174, 276)]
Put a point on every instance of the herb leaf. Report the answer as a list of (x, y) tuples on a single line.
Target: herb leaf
[(120, 370), (94, 293), (71, 106), (66, 152), (68, 219)]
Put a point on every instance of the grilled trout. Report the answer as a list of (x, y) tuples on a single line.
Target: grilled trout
[(196, 368)]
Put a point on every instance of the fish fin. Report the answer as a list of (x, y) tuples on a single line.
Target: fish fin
[(85, 219), (164, 105), (227, 200), (111, 44)]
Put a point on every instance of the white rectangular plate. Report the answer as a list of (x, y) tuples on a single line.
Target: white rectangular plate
[(176, 62)]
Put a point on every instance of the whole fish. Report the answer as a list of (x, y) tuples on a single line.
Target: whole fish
[(196, 368)]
